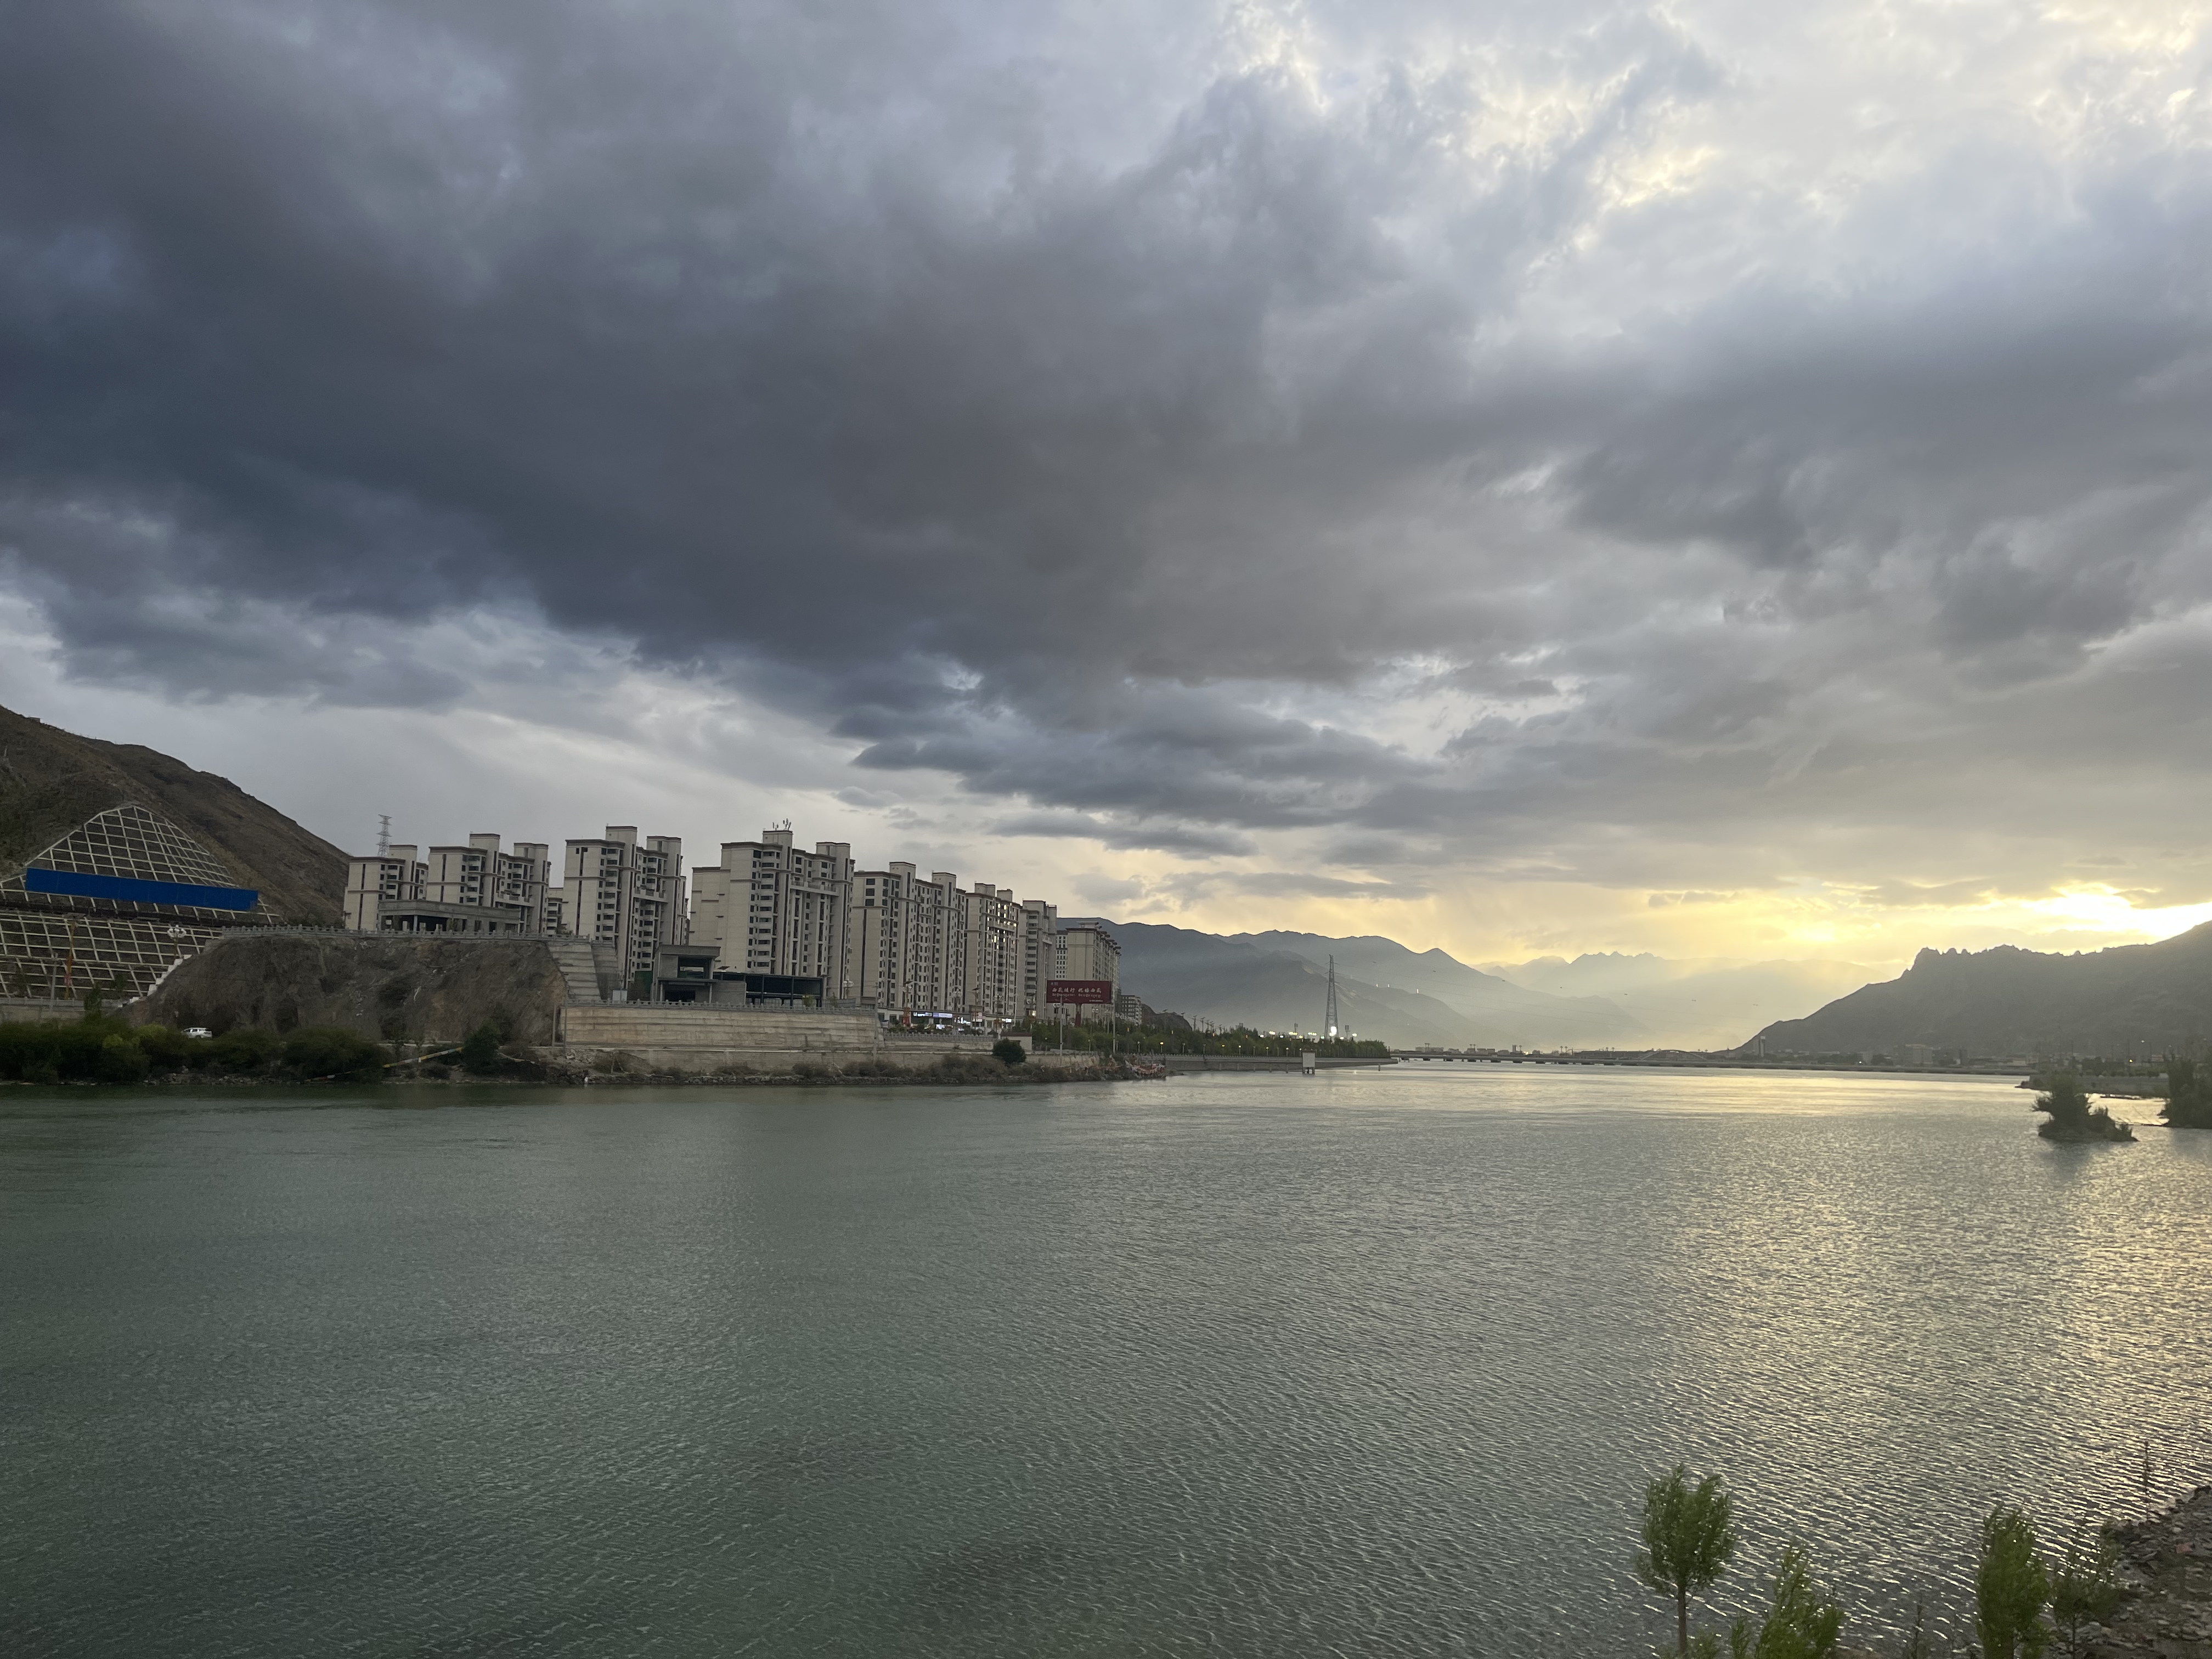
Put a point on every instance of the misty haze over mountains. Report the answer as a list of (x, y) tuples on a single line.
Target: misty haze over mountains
[(1694, 1003), (1407, 998)]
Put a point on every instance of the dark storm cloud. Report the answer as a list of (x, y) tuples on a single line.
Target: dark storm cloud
[(1123, 432), (1126, 838)]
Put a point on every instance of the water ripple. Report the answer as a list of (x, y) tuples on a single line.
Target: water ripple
[(1367, 1363)]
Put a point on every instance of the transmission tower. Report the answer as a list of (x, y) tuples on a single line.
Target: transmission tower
[(383, 833), (1328, 1025)]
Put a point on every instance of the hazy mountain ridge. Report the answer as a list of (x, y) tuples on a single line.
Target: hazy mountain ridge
[(1247, 979), (1694, 1002), (1492, 1002), (2129, 999)]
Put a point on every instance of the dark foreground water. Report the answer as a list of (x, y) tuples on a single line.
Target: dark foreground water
[(1366, 1364)]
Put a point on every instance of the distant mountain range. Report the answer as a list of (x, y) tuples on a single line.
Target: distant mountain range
[(1407, 998), (1277, 982), (1692, 1003), (2130, 999)]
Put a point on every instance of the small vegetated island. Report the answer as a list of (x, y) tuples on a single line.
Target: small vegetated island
[(2072, 1118)]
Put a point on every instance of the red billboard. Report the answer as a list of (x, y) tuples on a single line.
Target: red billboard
[(1082, 993)]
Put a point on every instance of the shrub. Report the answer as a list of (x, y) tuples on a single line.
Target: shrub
[(2087, 1586), (321, 1051), (120, 1059), (2010, 1587), (480, 1050), (1009, 1052), (2188, 1096), (2072, 1117), (167, 1050), (243, 1048), (56, 1051)]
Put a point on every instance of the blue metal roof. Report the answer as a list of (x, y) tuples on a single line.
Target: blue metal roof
[(129, 890)]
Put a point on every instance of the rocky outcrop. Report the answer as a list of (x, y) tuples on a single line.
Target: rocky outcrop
[(2169, 1613), (394, 989)]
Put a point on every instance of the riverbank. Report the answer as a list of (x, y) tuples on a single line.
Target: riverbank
[(531, 1074), (2168, 1611), (1692, 1059)]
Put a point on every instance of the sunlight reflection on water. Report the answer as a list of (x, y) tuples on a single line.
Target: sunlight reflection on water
[(1373, 1362)]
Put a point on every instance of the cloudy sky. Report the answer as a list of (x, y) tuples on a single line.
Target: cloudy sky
[(1717, 477)]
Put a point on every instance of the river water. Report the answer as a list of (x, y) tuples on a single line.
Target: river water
[(1370, 1363)]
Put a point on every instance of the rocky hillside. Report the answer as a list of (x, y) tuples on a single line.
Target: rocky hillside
[(52, 780), (2006, 1001), (393, 989)]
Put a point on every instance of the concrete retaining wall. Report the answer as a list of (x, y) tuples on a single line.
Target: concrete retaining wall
[(36, 1010), (660, 1038)]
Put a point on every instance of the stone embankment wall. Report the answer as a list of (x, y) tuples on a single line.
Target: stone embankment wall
[(395, 989), (656, 1038)]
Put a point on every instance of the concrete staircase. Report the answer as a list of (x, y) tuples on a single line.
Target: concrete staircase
[(580, 967)]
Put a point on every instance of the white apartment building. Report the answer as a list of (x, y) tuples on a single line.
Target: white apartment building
[(1085, 950), (879, 936), (888, 938), (771, 907), (992, 953), (929, 946), (474, 888), (482, 875), (618, 892), (378, 882), (937, 957), (1039, 926)]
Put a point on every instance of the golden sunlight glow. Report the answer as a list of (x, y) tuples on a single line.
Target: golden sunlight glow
[(2099, 906)]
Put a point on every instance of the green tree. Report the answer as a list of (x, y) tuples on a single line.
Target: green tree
[(2086, 1587), (1803, 1621), (2011, 1588), (2188, 1096), (1689, 1538), (480, 1050), (1010, 1051)]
